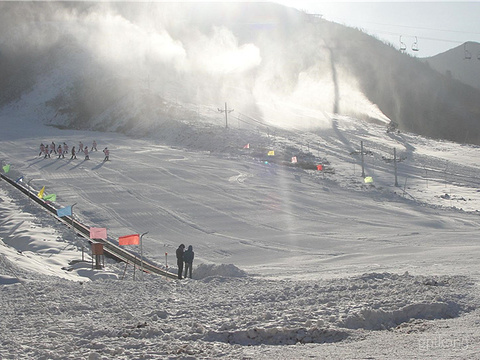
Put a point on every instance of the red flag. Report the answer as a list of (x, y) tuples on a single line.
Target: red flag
[(98, 233), (247, 146), (129, 239), (319, 167)]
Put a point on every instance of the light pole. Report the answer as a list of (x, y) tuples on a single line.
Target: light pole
[(395, 161), (395, 165), (226, 111), (362, 152)]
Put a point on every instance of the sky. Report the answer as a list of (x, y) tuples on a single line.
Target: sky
[(435, 26)]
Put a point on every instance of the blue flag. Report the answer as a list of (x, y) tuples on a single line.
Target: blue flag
[(66, 211), (19, 179)]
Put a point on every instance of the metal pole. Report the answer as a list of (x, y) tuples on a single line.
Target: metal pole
[(141, 251), (75, 235), (361, 152), (226, 116), (395, 164)]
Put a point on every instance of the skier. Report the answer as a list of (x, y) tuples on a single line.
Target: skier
[(80, 146), (94, 145), (85, 150), (45, 150), (60, 151), (180, 260), (188, 259), (74, 156), (107, 154), (65, 149), (42, 149), (52, 148)]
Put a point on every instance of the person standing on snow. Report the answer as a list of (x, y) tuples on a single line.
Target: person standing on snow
[(42, 149), (45, 150), (85, 151), (52, 148), (65, 149), (107, 154), (94, 145), (188, 259), (60, 151), (180, 250), (80, 146), (74, 156)]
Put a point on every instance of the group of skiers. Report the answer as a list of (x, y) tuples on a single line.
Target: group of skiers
[(185, 256), (60, 151)]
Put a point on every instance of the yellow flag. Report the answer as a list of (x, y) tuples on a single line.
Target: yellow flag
[(368, 180), (271, 153), (40, 193)]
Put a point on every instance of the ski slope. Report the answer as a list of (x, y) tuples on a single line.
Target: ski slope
[(283, 256), (263, 216)]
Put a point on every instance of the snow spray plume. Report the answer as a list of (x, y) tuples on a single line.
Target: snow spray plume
[(140, 57)]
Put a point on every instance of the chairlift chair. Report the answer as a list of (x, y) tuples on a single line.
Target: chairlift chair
[(403, 47), (415, 45)]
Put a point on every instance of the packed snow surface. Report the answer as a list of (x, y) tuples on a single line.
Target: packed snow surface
[(289, 262)]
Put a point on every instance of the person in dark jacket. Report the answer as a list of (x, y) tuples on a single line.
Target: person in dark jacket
[(188, 259), (180, 250), (74, 154)]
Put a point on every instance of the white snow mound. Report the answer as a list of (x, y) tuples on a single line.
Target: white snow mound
[(224, 270), (378, 319)]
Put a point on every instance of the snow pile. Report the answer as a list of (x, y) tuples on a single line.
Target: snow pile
[(278, 336), (378, 319), (203, 271)]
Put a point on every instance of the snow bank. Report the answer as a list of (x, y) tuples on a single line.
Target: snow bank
[(278, 336), (224, 270), (378, 319)]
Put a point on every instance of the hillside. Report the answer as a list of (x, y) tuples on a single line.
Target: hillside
[(461, 63), (133, 67)]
